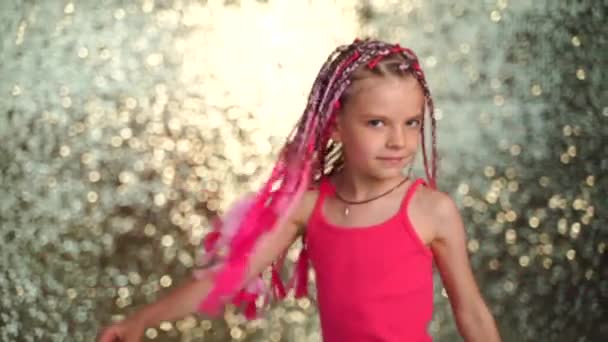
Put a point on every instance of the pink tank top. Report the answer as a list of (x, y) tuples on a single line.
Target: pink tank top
[(374, 283)]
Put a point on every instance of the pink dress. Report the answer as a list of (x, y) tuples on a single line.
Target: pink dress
[(374, 283)]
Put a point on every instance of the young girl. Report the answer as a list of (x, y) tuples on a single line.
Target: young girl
[(370, 231)]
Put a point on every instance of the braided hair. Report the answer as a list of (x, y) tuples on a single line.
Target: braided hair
[(308, 155)]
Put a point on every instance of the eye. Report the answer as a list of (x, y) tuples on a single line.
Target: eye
[(375, 123), (414, 123)]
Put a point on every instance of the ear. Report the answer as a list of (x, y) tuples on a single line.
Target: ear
[(335, 129)]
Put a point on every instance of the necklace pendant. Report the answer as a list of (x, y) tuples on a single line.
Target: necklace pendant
[(346, 211)]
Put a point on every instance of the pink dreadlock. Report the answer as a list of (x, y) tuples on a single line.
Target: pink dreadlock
[(307, 156)]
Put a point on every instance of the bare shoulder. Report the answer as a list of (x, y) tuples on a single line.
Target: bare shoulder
[(437, 207), (305, 207), (430, 200)]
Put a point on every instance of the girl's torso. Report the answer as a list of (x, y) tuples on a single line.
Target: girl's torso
[(374, 279)]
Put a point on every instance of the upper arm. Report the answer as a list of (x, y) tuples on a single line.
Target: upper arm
[(270, 246), (449, 249), (273, 243)]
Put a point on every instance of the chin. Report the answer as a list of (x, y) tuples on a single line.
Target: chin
[(388, 174)]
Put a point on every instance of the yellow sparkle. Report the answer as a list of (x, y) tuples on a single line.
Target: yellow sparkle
[(123, 292), (509, 286), (575, 230), (534, 222), (236, 333), (580, 74), (69, 8), (511, 216), (151, 333), (71, 293), (165, 281), (491, 197), (579, 204), (154, 59), (463, 189), (150, 230), (511, 173), (576, 41), (66, 102), (495, 16), (206, 324), (571, 254), (304, 303), (473, 245), (147, 6), (166, 326), (116, 141), (562, 226), (119, 14), (167, 240), (134, 278), (510, 236), (515, 150), (64, 151), (16, 90), (131, 103), (536, 90), (489, 171), (94, 176), (160, 200), (92, 196), (430, 61)]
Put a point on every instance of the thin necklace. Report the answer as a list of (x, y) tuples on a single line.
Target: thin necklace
[(349, 203)]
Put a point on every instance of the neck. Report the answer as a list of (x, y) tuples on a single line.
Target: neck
[(359, 187)]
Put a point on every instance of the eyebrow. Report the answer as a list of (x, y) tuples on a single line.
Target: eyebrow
[(419, 116)]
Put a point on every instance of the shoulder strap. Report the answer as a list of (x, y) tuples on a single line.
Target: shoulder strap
[(410, 193)]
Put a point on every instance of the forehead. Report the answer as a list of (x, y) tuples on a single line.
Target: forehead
[(386, 95)]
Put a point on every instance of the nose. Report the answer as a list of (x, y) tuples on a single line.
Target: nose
[(396, 138)]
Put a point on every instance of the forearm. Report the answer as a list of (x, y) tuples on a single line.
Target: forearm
[(180, 302), (478, 326)]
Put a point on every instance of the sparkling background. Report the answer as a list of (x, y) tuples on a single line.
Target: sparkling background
[(125, 125)]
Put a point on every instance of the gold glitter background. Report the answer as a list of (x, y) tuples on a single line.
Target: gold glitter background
[(126, 125)]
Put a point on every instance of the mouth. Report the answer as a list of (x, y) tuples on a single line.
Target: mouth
[(392, 160)]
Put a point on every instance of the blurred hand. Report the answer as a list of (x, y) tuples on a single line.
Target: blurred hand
[(129, 330)]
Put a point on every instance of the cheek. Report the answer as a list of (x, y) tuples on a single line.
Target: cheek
[(414, 139), (360, 146)]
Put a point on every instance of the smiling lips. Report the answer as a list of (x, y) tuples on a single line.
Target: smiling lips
[(392, 160)]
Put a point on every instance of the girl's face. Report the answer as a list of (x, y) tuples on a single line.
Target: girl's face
[(379, 126)]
